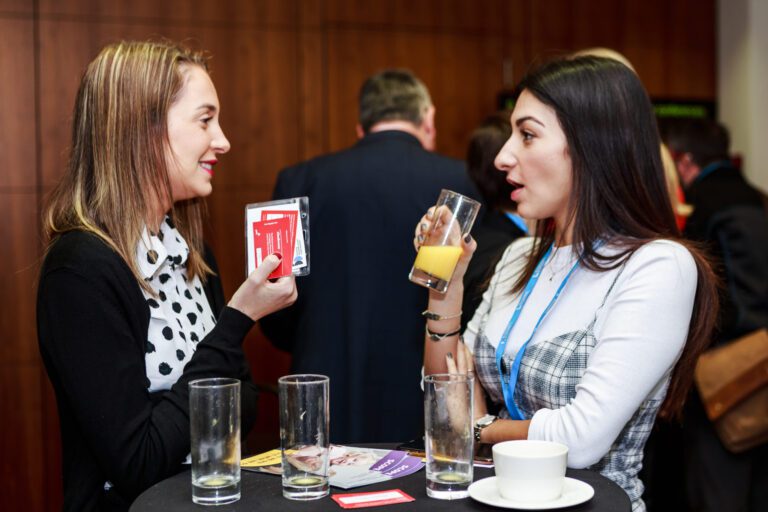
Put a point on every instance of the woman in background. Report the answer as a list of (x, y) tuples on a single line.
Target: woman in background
[(130, 307), (593, 326), (499, 224)]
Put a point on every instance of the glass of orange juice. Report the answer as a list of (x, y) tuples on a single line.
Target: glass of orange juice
[(453, 219)]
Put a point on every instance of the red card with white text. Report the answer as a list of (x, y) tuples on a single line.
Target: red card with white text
[(271, 236), (371, 499)]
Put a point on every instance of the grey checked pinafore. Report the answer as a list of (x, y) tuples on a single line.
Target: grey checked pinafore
[(549, 373)]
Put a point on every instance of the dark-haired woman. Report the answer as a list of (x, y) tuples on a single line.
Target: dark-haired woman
[(593, 326)]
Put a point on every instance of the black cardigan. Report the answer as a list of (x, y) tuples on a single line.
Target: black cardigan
[(92, 322)]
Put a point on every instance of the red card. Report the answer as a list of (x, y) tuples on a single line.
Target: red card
[(371, 499), (269, 237), (293, 215)]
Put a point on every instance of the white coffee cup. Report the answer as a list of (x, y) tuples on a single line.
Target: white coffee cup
[(530, 471)]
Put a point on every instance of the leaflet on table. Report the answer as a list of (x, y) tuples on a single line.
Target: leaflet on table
[(280, 226), (349, 466)]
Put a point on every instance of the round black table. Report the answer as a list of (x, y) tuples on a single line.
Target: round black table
[(262, 492)]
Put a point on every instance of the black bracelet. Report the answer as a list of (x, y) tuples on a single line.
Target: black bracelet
[(429, 315), (440, 336)]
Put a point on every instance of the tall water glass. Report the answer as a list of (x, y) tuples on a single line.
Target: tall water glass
[(304, 441), (453, 219), (448, 436), (214, 413)]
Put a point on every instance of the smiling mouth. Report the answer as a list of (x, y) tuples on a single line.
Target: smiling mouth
[(207, 167)]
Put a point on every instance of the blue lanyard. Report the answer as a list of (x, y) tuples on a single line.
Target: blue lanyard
[(712, 167), (509, 382), (517, 221)]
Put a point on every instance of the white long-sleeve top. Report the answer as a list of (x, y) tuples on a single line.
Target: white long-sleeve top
[(640, 331)]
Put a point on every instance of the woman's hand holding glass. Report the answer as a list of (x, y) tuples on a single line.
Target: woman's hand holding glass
[(464, 364), (259, 296), (442, 217), (446, 304)]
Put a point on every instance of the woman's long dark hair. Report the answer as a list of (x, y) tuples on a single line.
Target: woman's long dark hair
[(619, 193)]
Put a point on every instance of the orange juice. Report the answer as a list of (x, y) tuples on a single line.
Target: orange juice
[(438, 260)]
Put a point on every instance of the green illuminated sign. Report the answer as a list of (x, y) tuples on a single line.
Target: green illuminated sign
[(681, 110)]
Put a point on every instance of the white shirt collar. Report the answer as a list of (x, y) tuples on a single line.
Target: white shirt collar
[(154, 250)]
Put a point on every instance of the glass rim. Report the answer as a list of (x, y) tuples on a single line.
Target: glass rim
[(214, 382), (449, 377), (457, 194), (300, 379)]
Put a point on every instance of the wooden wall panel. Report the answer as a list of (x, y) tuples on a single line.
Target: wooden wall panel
[(16, 7), (21, 441), (646, 30), (462, 72), (443, 15), (254, 72), (19, 252), (312, 91), (181, 12), (23, 471), (690, 67), (21, 435), (594, 24), (66, 48), (563, 26), (17, 104)]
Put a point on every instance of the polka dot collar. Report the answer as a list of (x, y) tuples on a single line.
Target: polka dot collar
[(154, 249)]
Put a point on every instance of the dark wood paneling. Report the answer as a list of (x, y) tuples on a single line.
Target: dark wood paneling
[(66, 47), (313, 88), (21, 443), (23, 471), (551, 28), (267, 364), (255, 73), (19, 252), (691, 68), (462, 72), (16, 7), (594, 24), (646, 29), (182, 12), (17, 104), (444, 15)]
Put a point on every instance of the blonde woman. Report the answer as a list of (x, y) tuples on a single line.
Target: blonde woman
[(130, 306)]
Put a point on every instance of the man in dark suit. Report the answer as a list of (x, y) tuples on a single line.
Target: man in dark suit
[(729, 217), (358, 318)]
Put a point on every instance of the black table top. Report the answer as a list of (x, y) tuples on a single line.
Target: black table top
[(262, 492)]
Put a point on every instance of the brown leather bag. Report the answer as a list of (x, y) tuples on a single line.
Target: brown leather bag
[(733, 384)]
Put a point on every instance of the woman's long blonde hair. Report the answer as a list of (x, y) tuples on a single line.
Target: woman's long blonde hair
[(117, 175)]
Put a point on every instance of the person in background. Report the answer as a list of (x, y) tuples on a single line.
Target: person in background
[(130, 307), (679, 207), (730, 218), (682, 209), (594, 325), (499, 225), (357, 318)]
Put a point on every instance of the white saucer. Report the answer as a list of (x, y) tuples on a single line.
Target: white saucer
[(574, 492)]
